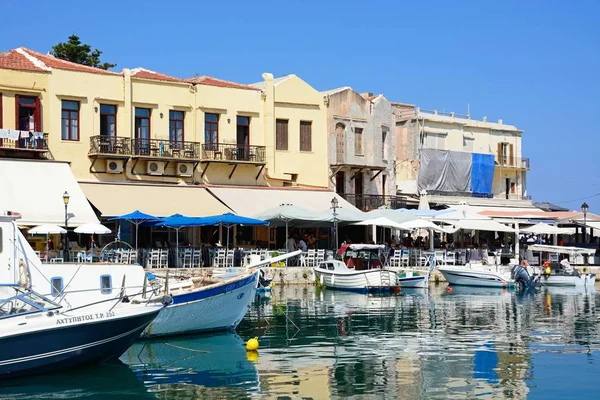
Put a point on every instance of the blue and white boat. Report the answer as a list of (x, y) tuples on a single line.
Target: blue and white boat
[(208, 304), (38, 335)]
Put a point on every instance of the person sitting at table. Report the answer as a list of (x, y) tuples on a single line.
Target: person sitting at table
[(408, 240), (291, 244), (302, 243)]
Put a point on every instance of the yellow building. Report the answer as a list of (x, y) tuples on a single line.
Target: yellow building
[(142, 139)]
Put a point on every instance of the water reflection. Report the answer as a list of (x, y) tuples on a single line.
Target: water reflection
[(195, 366), (435, 344)]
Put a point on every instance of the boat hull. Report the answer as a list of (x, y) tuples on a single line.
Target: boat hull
[(56, 348), (474, 277), (359, 281), (217, 308), (415, 282), (568, 280)]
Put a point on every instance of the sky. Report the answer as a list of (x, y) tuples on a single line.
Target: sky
[(535, 64)]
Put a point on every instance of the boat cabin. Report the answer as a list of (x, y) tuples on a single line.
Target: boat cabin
[(361, 256)]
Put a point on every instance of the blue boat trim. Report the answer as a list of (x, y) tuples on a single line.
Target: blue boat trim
[(212, 292)]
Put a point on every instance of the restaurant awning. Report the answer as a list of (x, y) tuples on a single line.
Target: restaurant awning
[(35, 189), (254, 201), (476, 225), (113, 199)]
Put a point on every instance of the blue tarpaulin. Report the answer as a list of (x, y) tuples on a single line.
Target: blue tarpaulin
[(482, 173)]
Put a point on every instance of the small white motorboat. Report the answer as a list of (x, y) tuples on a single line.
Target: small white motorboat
[(480, 275), (413, 278), (361, 270), (561, 273)]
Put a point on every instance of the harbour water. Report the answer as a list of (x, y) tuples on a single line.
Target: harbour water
[(320, 344)]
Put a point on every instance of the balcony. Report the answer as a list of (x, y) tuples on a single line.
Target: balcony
[(35, 145), (165, 149), (110, 146), (233, 154), (368, 202), (512, 162)]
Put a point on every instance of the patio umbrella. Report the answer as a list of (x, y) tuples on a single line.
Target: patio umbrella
[(47, 230), (228, 220), (137, 217), (177, 222), (92, 228), (288, 212)]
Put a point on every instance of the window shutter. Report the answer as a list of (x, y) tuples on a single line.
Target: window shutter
[(281, 134), (511, 155), (0, 110), (500, 161), (37, 120), (305, 136), (16, 111)]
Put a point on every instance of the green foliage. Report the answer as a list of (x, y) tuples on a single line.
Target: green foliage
[(75, 51)]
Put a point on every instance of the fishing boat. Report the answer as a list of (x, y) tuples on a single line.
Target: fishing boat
[(205, 304), (555, 273), (38, 335), (360, 270), (476, 274), (413, 278)]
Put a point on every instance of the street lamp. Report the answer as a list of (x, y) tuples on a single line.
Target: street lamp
[(334, 207), (584, 210), (66, 197)]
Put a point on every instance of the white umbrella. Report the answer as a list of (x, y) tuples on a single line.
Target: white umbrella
[(380, 221), (92, 228), (419, 224), (47, 230), (542, 228)]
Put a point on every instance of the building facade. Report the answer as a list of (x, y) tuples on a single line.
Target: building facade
[(458, 159), (362, 148)]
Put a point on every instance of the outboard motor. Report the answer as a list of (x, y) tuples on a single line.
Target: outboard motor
[(522, 277)]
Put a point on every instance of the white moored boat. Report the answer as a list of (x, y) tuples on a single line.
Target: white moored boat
[(478, 275), (361, 270), (561, 273)]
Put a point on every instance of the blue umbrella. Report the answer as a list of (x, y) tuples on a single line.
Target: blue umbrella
[(177, 221), (228, 220), (137, 217)]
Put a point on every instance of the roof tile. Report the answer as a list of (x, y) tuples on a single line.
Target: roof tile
[(210, 81), (147, 74), (12, 59)]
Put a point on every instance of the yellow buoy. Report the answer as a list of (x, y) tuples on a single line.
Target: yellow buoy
[(252, 344), (252, 356), (548, 271)]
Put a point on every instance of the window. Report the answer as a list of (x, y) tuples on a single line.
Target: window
[(28, 113), (384, 132), (281, 134), (358, 141), (176, 126), (305, 136), (1, 240), (142, 131), (56, 286), (105, 284), (211, 131), (70, 120), (0, 110), (243, 138), (435, 141), (108, 120)]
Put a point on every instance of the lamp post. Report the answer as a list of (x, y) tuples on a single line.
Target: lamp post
[(334, 207), (66, 197), (584, 210)]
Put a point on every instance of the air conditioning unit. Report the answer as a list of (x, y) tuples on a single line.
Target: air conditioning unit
[(114, 166), (155, 168), (185, 169)]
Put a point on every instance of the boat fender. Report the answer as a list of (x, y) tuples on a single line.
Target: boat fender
[(252, 344), (125, 299), (449, 289)]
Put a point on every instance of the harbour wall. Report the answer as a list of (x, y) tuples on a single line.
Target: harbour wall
[(298, 275)]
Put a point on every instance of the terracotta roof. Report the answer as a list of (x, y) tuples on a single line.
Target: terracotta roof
[(24, 59), (210, 81), (147, 74)]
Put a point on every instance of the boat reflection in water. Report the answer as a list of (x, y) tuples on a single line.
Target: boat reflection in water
[(110, 380), (186, 366)]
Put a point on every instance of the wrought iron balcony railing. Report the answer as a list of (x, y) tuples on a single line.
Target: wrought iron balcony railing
[(233, 152), (26, 141), (373, 201), (110, 145), (161, 148)]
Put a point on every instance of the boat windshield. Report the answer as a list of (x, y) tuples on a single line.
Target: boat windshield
[(25, 302), (362, 259)]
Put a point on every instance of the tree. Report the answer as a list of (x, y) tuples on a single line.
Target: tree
[(73, 50)]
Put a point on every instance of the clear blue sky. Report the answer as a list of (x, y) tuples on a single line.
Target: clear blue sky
[(535, 64)]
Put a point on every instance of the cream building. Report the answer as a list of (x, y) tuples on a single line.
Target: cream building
[(458, 159), (362, 148), (143, 139)]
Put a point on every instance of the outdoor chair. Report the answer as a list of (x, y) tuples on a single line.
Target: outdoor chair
[(229, 258), (450, 258), (219, 260), (196, 258), (187, 258)]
